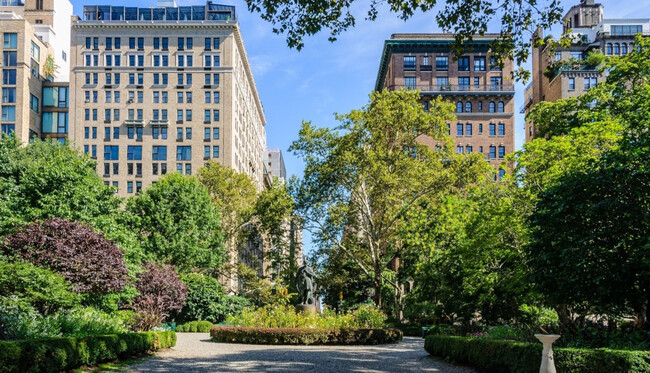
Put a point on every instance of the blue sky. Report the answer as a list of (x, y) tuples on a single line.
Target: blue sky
[(327, 77)]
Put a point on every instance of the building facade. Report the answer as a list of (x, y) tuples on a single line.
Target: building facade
[(35, 36), (563, 72), (274, 163), (482, 91), (158, 90)]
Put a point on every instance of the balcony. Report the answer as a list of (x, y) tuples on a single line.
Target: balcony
[(157, 122), (134, 122), (462, 89)]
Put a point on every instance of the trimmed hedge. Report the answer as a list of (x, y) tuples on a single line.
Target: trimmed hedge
[(500, 356), (60, 354), (410, 331), (304, 336), (194, 327)]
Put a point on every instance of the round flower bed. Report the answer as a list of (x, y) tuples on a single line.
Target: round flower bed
[(304, 336)]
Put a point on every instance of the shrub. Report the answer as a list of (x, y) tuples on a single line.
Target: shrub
[(194, 327), (285, 316), (203, 296), (84, 257), (60, 354), (489, 355), (160, 293), (41, 288), (304, 336)]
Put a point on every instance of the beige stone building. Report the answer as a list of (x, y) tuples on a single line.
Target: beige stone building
[(165, 89), (563, 72), (482, 91), (30, 32)]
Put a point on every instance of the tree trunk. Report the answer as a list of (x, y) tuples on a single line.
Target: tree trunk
[(377, 283), (564, 315)]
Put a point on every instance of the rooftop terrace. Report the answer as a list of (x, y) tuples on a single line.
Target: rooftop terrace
[(207, 12)]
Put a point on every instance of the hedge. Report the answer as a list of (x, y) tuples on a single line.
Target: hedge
[(304, 336), (195, 327), (410, 331), (491, 355), (65, 353)]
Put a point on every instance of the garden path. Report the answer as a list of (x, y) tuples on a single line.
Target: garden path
[(194, 352)]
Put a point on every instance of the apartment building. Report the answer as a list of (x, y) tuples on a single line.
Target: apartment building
[(481, 89), (164, 89), (35, 36), (563, 72), (274, 163)]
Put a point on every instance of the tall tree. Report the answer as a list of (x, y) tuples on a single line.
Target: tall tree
[(177, 223), (362, 177), (518, 19), (589, 248)]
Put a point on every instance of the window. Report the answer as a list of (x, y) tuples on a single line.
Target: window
[(211, 43), (493, 129), (459, 107), (179, 96), (459, 129), (442, 82), (116, 114), (94, 129), (617, 49), (409, 63), (86, 132), (590, 83), (215, 96), (8, 128), (442, 63), (188, 115), (609, 49), (558, 56), (572, 84), (111, 152), (9, 76), (215, 115), (183, 153), (480, 128), (156, 97), (492, 107), (129, 186), (159, 153), (185, 59), (8, 113), (109, 43), (134, 153), (477, 82), (576, 55), (480, 106), (206, 116), (211, 60), (409, 82), (188, 133), (502, 173), (493, 152), (459, 149), (468, 107), (479, 63), (207, 97), (627, 30), (468, 148), (109, 79), (91, 59), (495, 64), (188, 168), (215, 151), (463, 64), (179, 133), (206, 151), (206, 133), (164, 97), (10, 58), (502, 151), (425, 61), (156, 43), (468, 129), (496, 83), (500, 107), (463, 83), (215, 133), (116, 132), (624, 49), (9, 95), (10, 40), (502, 129), (140, 43)]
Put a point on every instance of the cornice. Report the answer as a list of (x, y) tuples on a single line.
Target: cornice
[(155, 24)]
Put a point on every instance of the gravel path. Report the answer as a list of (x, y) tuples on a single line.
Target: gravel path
[(194, 352)]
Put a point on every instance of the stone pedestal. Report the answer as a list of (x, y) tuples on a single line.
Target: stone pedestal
[(309, 308), (548, 365)]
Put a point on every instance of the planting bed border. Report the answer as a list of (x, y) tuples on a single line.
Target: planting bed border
[(305, 336)]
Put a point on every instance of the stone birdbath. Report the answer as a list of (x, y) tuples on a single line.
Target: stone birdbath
[(548, 365)]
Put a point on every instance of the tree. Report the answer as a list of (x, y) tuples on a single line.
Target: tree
[(177, 223), (161, 293), (589, 244), (359, 184), (92, 264), (46, 179), (300, 18)]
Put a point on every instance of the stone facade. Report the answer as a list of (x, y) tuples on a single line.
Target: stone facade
[(153, 96), (563, 73), (482, 91)]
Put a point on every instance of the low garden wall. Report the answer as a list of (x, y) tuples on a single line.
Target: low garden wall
[(65, 353), (304, 336), (489, 355)]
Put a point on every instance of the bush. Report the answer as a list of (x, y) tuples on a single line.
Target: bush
[(286, 316), (194, 327), (206, 301), (160, 293), (304, 336), (90, 262), (490, 355), (60, 354), (38, 287)]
